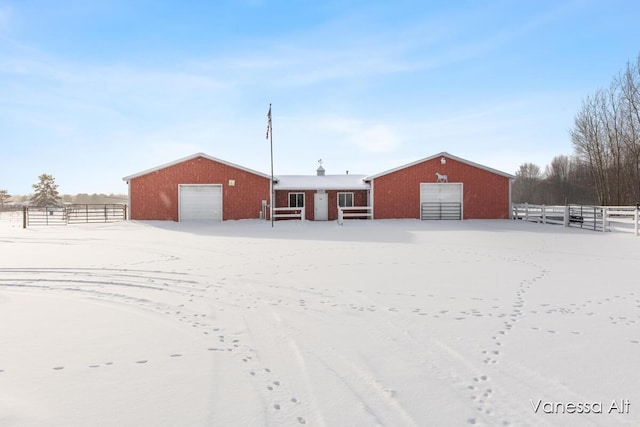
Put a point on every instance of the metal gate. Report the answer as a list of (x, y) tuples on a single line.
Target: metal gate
[(73, 214)]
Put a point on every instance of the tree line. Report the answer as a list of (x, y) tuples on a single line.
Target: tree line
[(46, 194), (605, 166)]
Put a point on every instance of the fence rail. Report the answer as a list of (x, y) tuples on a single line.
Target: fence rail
[(597, 218), (45, 216), (73, 214), (354, 212), (288, 213), (96, 213)]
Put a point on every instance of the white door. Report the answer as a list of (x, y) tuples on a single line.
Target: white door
[(441, 200), (200, 202), (320, 207)]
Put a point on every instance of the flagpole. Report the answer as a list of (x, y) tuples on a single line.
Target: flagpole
[(270, 130)]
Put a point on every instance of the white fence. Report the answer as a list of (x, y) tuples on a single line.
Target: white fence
[(286, 212), (623, 218), (597, 218), (354, 212)]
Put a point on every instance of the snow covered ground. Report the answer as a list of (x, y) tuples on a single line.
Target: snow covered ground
[(394, 323)]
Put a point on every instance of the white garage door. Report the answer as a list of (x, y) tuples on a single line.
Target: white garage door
[(441, 200), (200, 202)]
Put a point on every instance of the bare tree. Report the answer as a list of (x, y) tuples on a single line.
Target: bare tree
[(630, 100), (589, 141), (526, 186), (558, 181), (612, 121), (606, 135), (4, 196)]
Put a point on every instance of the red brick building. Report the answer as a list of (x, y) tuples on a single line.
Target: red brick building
[(441, 187), (320, 194), (198, 187), (201, 187)]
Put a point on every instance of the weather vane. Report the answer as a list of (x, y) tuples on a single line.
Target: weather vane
[(320, 162)]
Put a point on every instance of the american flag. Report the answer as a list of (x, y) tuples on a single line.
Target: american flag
[(269, 121)]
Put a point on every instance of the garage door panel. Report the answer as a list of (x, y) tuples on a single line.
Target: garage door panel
[(441, 200), (201, 202)]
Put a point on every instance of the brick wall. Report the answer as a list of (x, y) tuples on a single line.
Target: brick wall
[(485, 194), (359, 199), (154, 196)]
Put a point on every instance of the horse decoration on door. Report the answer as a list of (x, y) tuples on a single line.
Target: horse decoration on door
[(440, 177)]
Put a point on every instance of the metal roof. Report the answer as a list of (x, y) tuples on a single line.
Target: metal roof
[(323, 182)]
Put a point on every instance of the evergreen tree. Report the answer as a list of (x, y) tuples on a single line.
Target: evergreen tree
[(46, 192)]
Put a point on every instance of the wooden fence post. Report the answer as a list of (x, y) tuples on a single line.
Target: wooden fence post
[(24, 217)]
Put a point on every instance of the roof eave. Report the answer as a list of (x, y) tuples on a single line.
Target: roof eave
[(191, 157), (441, 154)]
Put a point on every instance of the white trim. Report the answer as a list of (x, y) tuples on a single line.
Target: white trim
[(128, 200), (303, 199), (338, 198), (447, 156), (191, 157), (510, 201), (370, 201), (201, 185)]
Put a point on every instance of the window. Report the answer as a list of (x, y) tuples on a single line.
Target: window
[(345, 200), (296, 200)]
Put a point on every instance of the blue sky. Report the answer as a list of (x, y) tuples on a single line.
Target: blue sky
[(92, 91)]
